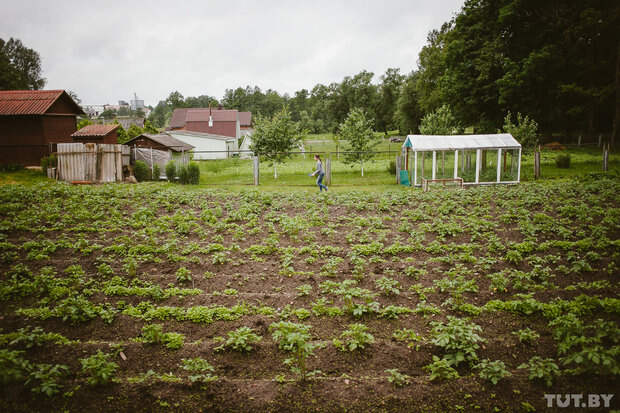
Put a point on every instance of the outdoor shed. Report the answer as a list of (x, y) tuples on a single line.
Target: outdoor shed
[(32, 122), (159, 149), (476, 159), (207, 145), (97, 134), (161, 141)]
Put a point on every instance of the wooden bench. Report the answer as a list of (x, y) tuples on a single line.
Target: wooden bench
[(444, 181)]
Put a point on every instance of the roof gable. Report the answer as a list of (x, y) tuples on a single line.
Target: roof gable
[(245, 118), (95, 130), (166, 140), (181, 116), (33, 102)]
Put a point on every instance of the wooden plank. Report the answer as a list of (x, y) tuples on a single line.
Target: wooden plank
[(255, 162)]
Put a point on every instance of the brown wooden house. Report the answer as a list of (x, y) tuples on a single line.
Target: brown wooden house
[(97, 134), (32, 121)]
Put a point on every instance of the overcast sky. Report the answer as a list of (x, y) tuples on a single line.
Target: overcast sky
[(105, 51)]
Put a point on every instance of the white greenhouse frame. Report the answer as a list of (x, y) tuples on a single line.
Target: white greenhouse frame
[(438, 143)]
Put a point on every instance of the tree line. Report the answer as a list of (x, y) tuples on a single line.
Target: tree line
[(556, 62)]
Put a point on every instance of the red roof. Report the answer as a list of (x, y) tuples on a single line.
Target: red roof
[(31, 102), (219, 115), (181, 116), (95, 130), (245, 118)]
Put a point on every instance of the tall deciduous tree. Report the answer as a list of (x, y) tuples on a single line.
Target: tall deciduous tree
[(20, 67), (389, 91), (408, 113), (440, 122), (356, 129), (274, 139)]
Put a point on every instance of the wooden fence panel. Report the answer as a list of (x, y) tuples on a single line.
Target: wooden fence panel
[(91, 162)]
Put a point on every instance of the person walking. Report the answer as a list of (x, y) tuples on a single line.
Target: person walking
[(320, 172)]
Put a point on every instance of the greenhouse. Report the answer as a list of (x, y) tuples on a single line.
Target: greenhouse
[(462, 159)]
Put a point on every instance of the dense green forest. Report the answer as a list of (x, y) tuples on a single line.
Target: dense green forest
[(555, 61)]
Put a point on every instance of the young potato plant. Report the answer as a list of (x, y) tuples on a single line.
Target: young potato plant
[(397, 378), (407, 336), (354, 338), (526, 335), (388, 286), (98, 368), (492, 371), (541, 369), (153, 334), (200, 370), (240, 339), (459, 338), (441, 369), (295, 338), (44, 378), (303, 290)]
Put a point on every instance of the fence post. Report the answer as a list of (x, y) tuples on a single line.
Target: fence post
[(328, 171), (537, 163), (605, 157), (398, 158), (256, 165), (600, 140), (579, 141)]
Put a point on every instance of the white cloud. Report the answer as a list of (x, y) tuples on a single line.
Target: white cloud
[(106, 51)]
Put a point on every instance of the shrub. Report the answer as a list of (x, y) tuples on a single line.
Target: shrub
[(99, 369), (194, 173), (141, 171), (524, 130), (171, 171), (440, 122), (156, 172), (391, 168), (48, 162), (562, 160), (184, 174), (11, 167)]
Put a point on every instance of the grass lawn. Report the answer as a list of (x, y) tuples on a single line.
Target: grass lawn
[(237, 173)]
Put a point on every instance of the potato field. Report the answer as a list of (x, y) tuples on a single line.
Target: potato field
[(153, 297)]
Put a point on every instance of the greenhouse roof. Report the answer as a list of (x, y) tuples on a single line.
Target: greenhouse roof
[(460, 142)]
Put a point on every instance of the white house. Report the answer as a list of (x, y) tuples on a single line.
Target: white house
[(206, 145)]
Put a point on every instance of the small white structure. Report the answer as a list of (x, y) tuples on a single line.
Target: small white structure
[(244, 147), (207, 145), (503, 166)]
